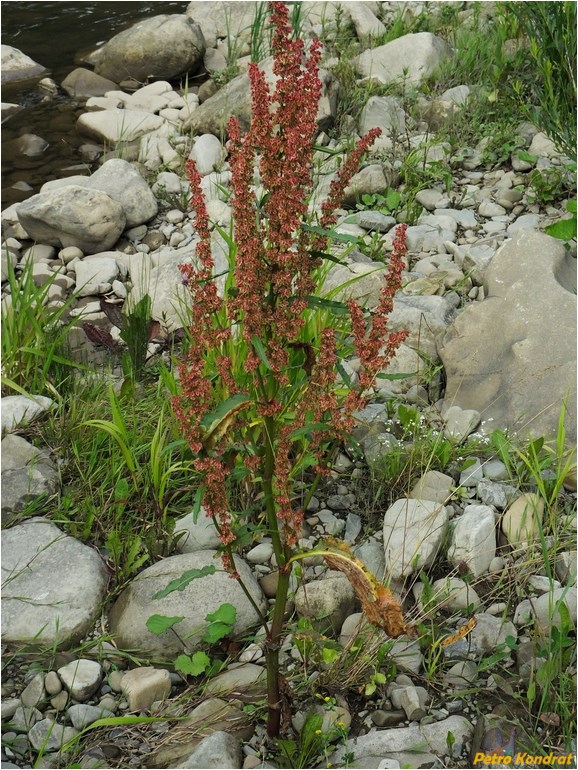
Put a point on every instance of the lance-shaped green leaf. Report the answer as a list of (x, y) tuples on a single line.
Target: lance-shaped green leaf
[(216, 423), (398, 376), (260, 350), (337, 308), (180, 583), (325, 255), (331, 234)]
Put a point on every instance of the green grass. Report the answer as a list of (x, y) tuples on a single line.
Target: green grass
[(126, 472), (35, 354)]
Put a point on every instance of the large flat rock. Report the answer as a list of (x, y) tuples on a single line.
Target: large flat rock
[(512, 357), (52, 585), (201, 596)]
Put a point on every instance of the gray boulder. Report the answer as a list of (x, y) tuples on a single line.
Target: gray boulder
[(327, 601), (20, 410), (162, 47), (210, 716), (52, 585), (219, 750), (383, 112), (85, 83), (73, 216), (135, 605), (120, 181), (208, 154), (410, 746), (372, 179), (527, 323), (117, 126), (425, 318), (474, 539), (196, 533), (413, 532), (212, 115), (225, 20), (359, 281), (410, 58), (123, 183), (366, 24), (27, 473), (164, 285), (17, 66)]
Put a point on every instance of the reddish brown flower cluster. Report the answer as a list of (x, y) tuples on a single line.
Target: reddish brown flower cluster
[(377, 347), (289, 379)]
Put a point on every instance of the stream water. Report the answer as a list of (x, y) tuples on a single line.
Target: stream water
[(56, 34)]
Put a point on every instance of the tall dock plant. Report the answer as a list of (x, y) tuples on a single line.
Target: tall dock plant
[(259, 402)]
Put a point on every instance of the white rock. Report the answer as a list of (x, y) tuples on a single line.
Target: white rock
[(95, 270), (545, 609), (327, 602), (56, 585), (20, 410), (114, 126), (454, 594), (413, 531), (260, 554), (144, 685), (200, 597), (522, 521), (474, 539), (377, 744), (490, 632), (50, 736), (409, 58), (198, 533), (220, 749), (73, 216), (81, 677), (208, 154), (17, 66), (82, 714), (433, 485)]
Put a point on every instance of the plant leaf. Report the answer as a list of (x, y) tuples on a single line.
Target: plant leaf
[(325, 255), (564, 230), (158, 624), (527, 157), (215, 631), (226, 613), (399, 376), (195, 665), (378, 604), (100, 336), (180, 583), (331, 234), (329, 656), (261, 352), (112, 312), (216, 423), (337, 308)]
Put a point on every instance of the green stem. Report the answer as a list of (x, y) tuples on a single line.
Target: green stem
[(262, 618), (282, 554)]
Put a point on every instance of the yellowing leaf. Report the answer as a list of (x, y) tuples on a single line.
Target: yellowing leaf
[(378, 603), (216, 423)]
